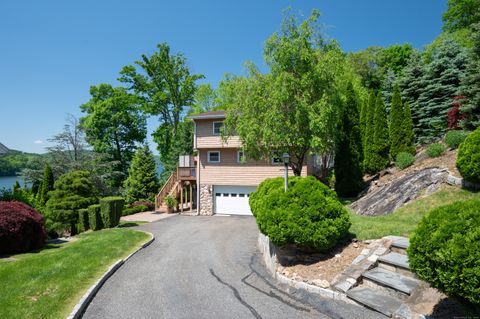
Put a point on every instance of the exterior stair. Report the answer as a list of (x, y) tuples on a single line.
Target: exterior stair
[(388, 286)]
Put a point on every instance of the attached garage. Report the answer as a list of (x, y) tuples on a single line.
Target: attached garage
[(233, 200)]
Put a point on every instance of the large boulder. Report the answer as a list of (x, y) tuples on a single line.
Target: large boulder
[(389, 197)]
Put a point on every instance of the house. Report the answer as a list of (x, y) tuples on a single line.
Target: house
[(3, 149), (220, 175)]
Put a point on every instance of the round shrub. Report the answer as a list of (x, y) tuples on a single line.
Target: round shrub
[(468, 159), (307, 215), (21, 228), (404, 160), (435, 150), (445, 249), (454, 138)]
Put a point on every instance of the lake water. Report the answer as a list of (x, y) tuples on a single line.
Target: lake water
[(9, 181)]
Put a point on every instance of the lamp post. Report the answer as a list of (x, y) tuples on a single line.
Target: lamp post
[(286, 160)]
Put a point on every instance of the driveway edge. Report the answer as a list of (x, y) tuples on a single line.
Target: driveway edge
[(269, 253), (80, 307)]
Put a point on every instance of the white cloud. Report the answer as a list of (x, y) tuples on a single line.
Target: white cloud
[(38, 142)]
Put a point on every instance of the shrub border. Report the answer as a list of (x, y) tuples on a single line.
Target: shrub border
[(82, 305)]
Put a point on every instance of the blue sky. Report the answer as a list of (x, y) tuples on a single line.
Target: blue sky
[(52, 51)]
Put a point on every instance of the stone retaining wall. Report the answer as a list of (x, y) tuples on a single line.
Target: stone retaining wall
[(206, 200)]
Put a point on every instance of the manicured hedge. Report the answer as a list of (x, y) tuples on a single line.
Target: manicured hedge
[(21, 228), (307, 215), (83, 220), (133, 210), (468, 159), (94, 217), (445, 249), (111, 210)]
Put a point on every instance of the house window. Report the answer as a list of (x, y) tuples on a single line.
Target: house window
[(217, 128), (241, 157), (214, 157)]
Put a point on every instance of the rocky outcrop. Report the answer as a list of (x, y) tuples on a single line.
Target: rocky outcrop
[(386, 199)]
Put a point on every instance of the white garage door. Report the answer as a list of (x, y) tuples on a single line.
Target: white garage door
[(233, 200)]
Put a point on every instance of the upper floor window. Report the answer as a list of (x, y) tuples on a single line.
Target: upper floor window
[(214, 157), (241, 157), (217, 128)]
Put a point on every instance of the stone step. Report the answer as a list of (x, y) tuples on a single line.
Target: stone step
[(375, 300), (392, 279), (400, 245), (395, 259)]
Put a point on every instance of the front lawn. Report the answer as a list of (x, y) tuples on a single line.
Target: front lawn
[(404, 220), (48, 283)]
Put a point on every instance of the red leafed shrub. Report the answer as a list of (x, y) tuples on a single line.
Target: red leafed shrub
[(150, 205), (454, 116), (21, 228)]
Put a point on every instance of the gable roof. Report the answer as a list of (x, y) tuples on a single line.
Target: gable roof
[(3, 149), (209, 115)]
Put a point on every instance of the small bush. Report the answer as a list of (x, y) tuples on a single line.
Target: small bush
[(170, 201), (453, 139), (307, 215), (404, 160), (83, 219), (94, 217), (111, 210), (445, 249), (134, 210), (21, 228), (435, 150), (150, 205), (468, 159)]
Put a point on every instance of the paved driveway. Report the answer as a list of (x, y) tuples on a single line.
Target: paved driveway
[(205, 267)]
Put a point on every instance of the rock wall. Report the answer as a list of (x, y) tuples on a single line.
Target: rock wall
[(206, 200), (388, 198)]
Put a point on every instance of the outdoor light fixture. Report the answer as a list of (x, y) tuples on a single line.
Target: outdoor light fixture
[(286, 160)]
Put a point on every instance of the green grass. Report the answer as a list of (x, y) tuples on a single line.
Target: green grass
[(404, 220), (124, 224), (48, 283)]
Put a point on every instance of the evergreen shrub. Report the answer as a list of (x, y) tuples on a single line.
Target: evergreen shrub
[(21, 228), (111, 210), (94, 217), (404, 160), (135, 209), (150, 205), (435, 150), (445, 249), (83, 219), (453, 139), (468, 159), (308, 215)]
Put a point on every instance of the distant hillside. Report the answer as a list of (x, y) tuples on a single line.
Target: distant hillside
[(14, 161)]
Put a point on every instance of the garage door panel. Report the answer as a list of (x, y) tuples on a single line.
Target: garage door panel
[(233, 200)]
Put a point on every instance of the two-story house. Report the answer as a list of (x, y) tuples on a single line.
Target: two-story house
[(224, 178)]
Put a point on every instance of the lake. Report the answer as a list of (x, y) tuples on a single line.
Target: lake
[(9, 181)]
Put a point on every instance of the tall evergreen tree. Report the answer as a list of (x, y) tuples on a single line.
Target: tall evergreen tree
[(46, 185), (368, 139), (412, 83), (408, 134), (142, 180), (396, 123), (381, 139), (348, 156), (388, 85), (442, 80), (363, 120), (470, 88)]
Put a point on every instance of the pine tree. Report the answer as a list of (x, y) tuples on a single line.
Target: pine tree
[(381, 139), (408, 134), (348, 168), (396, 122), (363, 120), (368, 139), (388, 85), (45, 186), (442, 80), (470, 88), (142, 182)]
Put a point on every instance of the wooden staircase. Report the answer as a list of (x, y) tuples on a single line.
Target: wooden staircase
[(174, 186)]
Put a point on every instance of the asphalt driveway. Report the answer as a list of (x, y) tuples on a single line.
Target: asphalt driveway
[(206, 267)]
